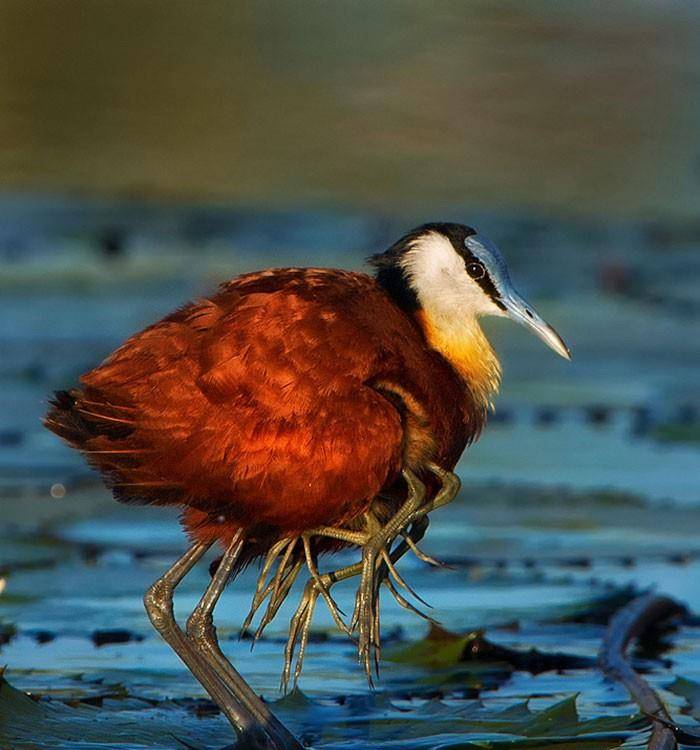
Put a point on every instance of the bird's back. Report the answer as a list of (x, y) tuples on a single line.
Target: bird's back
[(283, 400)]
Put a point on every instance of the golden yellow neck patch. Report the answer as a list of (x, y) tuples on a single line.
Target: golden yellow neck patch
[(464, 345)]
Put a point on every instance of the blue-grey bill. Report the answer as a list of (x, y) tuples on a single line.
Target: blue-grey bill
[(522, 313)]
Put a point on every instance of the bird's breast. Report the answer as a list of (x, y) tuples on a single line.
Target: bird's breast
[(465, 347)]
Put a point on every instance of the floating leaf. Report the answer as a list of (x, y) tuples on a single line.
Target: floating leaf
[(690, 690), (677, 433), (441, 649), (28, 724), (368, 721), (473, 725)]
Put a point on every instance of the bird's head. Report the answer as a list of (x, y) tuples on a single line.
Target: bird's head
[(453, 275)]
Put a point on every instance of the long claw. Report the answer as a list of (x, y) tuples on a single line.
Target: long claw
[(399, 579), (299, 620), (375, 569), (303, 641), (264, 588), (418, 552), (376, 636), (289, 652), (406, 604), (281, 568), (277, 599), (255, 605), (280, 584), (336, 612), (366, 609)]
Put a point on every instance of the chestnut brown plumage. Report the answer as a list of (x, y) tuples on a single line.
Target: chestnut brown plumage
[(299, 404), (276, 405)]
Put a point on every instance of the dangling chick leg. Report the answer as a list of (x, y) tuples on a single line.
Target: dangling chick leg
[(374, 565)]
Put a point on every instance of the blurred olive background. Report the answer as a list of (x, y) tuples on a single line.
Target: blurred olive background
[(575, 107)]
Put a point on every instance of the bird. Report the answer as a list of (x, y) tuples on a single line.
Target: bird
[(295, 412)]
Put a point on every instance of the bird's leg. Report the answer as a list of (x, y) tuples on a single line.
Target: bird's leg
[(202, 633), (158, 601), (301, 621), (419, 523), (376, 567), (320, 585), (449, 489), (366, 600), (411, 527), (287, 571)]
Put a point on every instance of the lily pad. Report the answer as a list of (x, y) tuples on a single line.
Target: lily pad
[(366, 721), (690, 690), (29, 724), (442, 649)]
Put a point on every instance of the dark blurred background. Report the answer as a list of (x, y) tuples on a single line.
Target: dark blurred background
[(149, 150)]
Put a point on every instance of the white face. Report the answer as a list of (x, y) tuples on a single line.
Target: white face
[(438, 275)]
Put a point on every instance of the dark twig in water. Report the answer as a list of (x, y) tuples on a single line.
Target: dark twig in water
[(640, 615), (481, 649), (477, 648), (683, 735)]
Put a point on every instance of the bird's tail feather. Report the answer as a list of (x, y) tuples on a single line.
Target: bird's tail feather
[(79, 421), (106, 434)]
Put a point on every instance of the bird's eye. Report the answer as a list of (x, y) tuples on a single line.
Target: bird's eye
[(476, 270)]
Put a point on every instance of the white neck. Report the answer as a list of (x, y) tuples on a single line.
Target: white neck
[(451, 303)]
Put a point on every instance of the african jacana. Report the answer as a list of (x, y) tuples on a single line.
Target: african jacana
[(293, 412)]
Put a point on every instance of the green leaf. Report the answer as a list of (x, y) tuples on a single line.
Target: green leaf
[(439, 649), (368, 720), (690, 690), (26, 724)]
